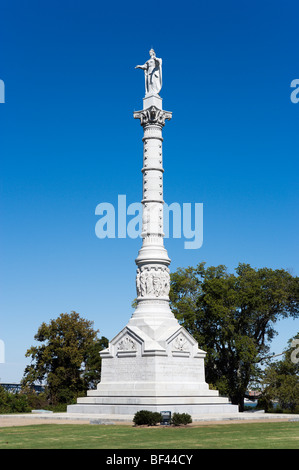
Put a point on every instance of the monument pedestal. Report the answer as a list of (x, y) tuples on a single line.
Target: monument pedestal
[(153, 363), (157, 367)]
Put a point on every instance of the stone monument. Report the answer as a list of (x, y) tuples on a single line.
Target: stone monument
[(153, 363)]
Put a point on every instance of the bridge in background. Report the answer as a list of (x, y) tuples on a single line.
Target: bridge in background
[(15, 388)]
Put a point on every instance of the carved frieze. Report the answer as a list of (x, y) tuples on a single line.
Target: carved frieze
[(153, 281)]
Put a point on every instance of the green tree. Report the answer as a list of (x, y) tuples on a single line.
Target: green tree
[(281, 380), (232, 317), (68, 359)]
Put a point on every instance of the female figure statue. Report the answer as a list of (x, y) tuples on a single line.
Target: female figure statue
[(152, 74)]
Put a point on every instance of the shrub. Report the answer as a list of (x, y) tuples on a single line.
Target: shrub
[(13, 402), (36, 401), (150, 418), (181, 418)]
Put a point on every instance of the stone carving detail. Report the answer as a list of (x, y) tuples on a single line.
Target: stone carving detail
[(180, 343), (127, 344), (152, 115), (153, 281)]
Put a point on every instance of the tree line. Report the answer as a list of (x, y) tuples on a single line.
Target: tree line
[(232, 316)]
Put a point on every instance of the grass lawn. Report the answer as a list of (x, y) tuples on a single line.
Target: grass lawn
[(283, 435)]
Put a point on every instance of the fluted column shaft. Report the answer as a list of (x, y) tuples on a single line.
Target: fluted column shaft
[(152, 280)]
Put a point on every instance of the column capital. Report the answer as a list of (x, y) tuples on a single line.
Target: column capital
[(153, 116)]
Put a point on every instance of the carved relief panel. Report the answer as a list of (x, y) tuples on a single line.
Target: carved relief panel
[(153, 281)]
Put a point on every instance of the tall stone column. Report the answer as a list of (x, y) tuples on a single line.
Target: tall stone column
[(152, 279), (153, 363)]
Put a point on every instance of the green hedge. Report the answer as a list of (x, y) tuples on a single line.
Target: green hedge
[(150, 418), (180, 418), (145, 417), (13, 402)]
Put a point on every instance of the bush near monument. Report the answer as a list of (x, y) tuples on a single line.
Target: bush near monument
[(179, 419), (151, 418), (145, 417)]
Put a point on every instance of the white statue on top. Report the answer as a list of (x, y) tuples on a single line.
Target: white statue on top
[(152, 74)]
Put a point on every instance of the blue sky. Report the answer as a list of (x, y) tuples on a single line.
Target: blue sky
[(69, 142)]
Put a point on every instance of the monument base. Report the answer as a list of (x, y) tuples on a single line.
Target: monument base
[(163, 371), (129, 410)]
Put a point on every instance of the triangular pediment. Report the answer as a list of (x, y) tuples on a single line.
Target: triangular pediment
[(132, 341), (126, 341), (181, 336), (181, 342)]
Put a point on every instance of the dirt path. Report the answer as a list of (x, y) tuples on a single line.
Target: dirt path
[(29, 421)]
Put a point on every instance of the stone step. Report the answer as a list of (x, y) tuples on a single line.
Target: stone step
[(170, 400)]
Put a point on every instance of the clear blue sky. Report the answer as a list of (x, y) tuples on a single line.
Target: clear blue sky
[(69, 141)]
